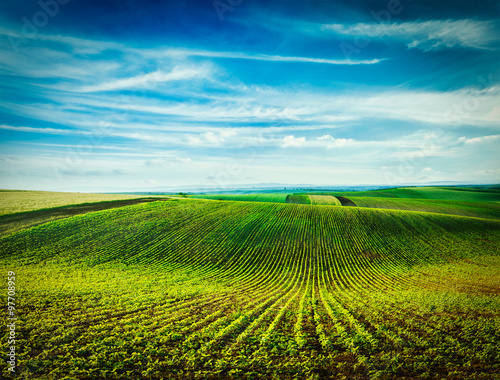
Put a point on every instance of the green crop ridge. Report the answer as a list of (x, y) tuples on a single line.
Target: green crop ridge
[(443, 193), (205, 289), (477, 209)]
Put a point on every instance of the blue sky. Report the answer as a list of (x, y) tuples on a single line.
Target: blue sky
[(122, 95)]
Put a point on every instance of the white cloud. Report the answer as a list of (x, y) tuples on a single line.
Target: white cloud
[(51, 131), (149, 79), (219, 110), (291, 141), (427, 170), (86, 46), (435, 107), (427, 35), (278, 58), (467, 106), (242, 103), (214, 137), (332, 142), (475, 140), (218, 138)]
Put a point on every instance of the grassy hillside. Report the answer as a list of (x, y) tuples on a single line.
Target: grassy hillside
[(475, 209), (444, 193), (12, 201), (208, 289)]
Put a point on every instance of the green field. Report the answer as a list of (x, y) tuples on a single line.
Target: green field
[(444, 193), (477, 209), (474, 202), (261, 197), (202, 289), (12, 201), (324, 200)]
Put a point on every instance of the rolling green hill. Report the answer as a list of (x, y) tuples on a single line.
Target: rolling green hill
[(210, 289), (475, 209), (443, 193), (474, 202)]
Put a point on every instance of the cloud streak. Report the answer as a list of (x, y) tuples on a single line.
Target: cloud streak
[(427, 35), (147, 80), (266, 58), (50, 131)]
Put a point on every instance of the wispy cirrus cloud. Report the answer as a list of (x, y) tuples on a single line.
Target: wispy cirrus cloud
[(300, 110), (277, 90), (50, 131), (146, 80), (95, 47), (264, 57), (427, 35)]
